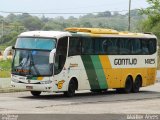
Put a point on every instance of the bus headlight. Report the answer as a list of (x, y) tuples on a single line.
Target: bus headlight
[(15, 80), (46, 82)]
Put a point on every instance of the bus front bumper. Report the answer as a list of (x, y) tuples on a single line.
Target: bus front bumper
[(32, 87)]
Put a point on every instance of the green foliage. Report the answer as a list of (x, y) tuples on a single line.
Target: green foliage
[(152, 23), (5, 65), (5, 68), (154, 8), (104, 14)]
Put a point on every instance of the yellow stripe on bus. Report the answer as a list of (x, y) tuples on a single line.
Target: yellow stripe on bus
[(39, 78), (105, 61)]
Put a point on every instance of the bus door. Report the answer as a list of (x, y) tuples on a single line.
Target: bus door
[(61, 53)]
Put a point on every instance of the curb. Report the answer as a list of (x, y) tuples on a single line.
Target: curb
[(9, 90)]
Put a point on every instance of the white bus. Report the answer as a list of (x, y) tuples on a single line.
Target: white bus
[(83, 59)]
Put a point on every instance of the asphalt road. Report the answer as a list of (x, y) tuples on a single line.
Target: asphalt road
[(147, 101)]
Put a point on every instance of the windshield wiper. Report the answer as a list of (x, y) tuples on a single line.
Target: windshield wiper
[(32, 64)]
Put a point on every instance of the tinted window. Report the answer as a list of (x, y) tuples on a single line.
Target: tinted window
[(88, 45), (136, 46), (61, 54), (74, 46), (111, 46), (145, 49), (125, 46), (108, 46), (152, 46)]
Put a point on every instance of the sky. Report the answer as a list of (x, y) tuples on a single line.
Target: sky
[(68, 6)]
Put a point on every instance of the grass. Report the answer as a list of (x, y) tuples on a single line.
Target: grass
[(5, 68)]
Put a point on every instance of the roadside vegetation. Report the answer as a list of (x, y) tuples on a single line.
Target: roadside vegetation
[(5, 68)]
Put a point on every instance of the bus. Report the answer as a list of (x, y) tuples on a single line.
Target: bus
[(92, 59)]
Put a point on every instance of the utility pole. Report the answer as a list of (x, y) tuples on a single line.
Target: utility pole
[(129, 16)]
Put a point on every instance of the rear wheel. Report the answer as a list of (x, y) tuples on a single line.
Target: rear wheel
[(137, 84), (71, 89), (127, 88), (128, 85), (35, 93)]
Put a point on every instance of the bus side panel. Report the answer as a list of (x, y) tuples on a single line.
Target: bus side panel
[(95, 71), (151, 72), (133, 65), (133, 72), (75, 68), (113, 76)]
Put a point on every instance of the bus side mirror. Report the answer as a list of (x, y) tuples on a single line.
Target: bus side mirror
[(52, 56)]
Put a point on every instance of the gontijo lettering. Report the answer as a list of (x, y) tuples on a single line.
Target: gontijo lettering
[(125, 61)]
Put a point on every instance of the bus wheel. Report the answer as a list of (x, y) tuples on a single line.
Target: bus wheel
[(137, 84), (35, 93), (71, 89), (128, 85)]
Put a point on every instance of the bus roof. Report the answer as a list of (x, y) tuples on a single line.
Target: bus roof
[(85, 31), (108, 32), (49, 34)]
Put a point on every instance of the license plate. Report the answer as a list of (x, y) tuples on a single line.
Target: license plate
[(29, 87)]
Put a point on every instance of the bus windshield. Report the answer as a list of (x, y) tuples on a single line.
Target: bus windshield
[(36, 43), (31, 62)]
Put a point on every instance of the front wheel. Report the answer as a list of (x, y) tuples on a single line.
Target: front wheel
[(71, 89), (35, 93)]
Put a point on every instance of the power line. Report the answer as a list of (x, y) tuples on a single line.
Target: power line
[(37, 13)]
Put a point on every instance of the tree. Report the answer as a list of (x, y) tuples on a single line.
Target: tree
[(32, 23), (152, 24), (87, 24), (104, 14)]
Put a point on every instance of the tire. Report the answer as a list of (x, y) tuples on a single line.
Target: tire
[(136, 85), (128, 85), (35, 93), (71, 89)]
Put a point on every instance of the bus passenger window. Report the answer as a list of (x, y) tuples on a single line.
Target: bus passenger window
[(136, 46), (87, 45), (125, 46), (145, 50), (74, 46), (109, 46), (152, 46)]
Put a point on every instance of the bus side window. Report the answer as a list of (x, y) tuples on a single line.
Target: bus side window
[(145, 50), (74, 46), (136, 46), (152, 46), (87, 45), (61, 54), (125, 46)]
